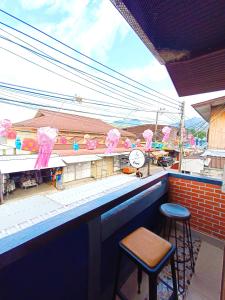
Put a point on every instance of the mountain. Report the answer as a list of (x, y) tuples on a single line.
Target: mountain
[(194, 122), (127, 123)]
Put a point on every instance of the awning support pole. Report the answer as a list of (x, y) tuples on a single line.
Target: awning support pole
[(1, 189)]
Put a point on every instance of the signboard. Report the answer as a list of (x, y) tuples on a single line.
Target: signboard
[(137, 158)]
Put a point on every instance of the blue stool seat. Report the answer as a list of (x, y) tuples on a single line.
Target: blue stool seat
[(175, 211)]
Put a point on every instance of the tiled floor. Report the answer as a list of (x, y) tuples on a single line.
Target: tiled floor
[(205, 283)]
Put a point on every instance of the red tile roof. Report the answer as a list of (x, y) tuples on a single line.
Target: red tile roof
[(69, 122)]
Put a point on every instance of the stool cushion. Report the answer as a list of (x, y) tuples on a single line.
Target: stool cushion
[(147, 246), (175, 211)]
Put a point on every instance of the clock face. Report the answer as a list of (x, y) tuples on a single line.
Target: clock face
[(137, 158)]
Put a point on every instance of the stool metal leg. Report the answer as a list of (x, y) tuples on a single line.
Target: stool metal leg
[(139, 278), (152, 287), (173, 271), (117, 275), (190, 246)]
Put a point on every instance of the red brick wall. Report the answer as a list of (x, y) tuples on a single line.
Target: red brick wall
[(205, 201)]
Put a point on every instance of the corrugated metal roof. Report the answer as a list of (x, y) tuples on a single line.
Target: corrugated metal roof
[(20, 163)]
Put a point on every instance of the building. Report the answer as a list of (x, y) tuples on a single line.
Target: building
[(212, 111), (71, 128), (82, 163)]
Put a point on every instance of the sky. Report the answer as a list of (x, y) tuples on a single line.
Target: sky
[(93, 27)]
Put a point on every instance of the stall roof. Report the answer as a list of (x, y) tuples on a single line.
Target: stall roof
[(81, 158), (20, 163)]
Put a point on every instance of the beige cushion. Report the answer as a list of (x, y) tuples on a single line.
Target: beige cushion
[(147, 246)]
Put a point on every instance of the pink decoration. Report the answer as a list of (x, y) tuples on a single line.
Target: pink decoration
[(91, 144), (112, 140), (166, 131), (46, 139), (147, 135), (138, 142), (11, 134), (5, 126), (127, 143), (191, 139), (63, 140), (29, 145)]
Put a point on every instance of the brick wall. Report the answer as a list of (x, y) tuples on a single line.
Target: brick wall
[(205, 201)]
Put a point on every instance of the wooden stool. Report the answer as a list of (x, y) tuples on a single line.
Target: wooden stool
[(177, 213), (150, 253)]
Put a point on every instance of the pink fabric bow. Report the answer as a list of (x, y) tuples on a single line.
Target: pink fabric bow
[(46, 137), (112, 140), (166, 131), (147, 135), (127, 143)]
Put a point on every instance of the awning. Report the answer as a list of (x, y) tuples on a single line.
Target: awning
[(20, 163), (80, 158), (214, 153), (113, 154)]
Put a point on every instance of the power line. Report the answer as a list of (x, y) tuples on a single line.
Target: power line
[(109, 88), (69, 47), (62, 97)]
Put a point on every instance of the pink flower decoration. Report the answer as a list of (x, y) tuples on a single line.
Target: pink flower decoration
[(11, 134), (46, 137), (127, 143), (166, 131), (191, 139), (5, 125), (91, 144), (63, 140), (112, 140), (147, 135), (138, 142)]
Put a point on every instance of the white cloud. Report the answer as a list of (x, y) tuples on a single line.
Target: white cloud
[(153, 72)]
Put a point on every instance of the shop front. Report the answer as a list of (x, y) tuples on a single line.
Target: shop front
[(17, 172)]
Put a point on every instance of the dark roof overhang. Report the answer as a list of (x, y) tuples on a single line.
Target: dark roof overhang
[(188, 37)]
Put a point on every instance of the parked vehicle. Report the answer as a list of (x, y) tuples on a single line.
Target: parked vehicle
[(165, 161)]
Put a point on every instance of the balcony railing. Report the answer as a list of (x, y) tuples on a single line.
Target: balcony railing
[(73, 255)]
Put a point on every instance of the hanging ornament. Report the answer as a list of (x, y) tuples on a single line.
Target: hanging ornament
[(63, 140), (75, 146), (138, 142), (91, 144), (18, 143), (191, 139), (29, 145), (166, 131), (46, 137), (112, 140), (147, 135), (5, 125), (11, 134), (127, 143)]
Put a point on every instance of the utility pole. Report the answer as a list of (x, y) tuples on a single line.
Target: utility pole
[(181, 138), (156, 122)]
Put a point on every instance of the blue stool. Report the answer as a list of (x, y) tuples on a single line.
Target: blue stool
[(174, 213), (151, 254)]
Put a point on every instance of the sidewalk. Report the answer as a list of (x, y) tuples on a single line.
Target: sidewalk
[(22, 213)]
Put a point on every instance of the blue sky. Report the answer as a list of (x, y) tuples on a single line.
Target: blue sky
[(94, 27)]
